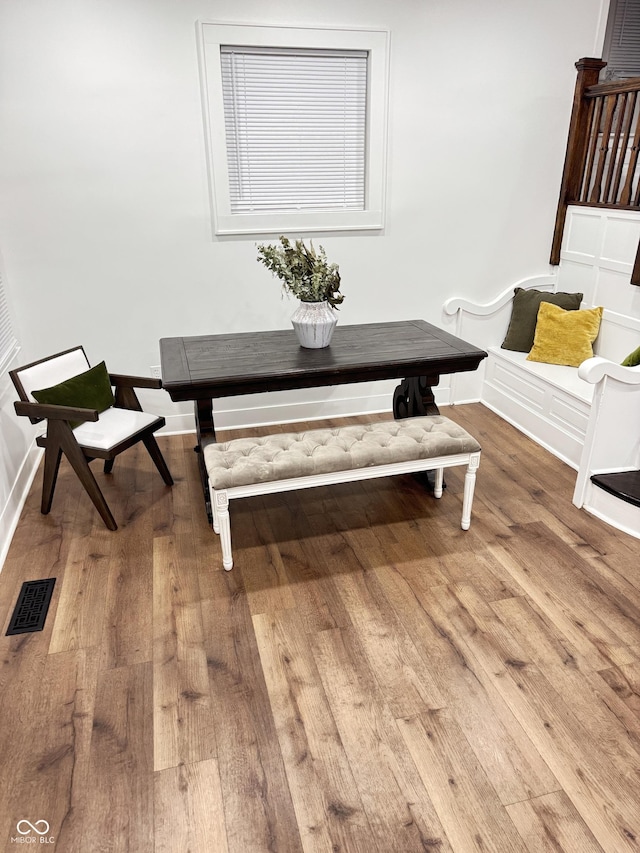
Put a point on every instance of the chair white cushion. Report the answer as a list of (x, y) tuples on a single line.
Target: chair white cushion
[(113, 427)]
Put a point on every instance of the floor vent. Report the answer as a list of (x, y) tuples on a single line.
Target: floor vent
[(31, 608)]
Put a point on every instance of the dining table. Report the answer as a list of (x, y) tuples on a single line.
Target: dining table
[(206, 368)]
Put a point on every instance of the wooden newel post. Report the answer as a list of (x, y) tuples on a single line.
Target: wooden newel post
[(572, 173)]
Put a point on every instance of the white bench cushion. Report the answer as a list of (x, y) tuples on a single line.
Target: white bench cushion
[(561, 376), (246, 461)]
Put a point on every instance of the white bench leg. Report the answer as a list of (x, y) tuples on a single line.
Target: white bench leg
[(214, 510), (439, 483), (469, 486), (221, 514)]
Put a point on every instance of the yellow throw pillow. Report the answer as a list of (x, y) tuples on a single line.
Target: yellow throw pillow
[(564, 337)]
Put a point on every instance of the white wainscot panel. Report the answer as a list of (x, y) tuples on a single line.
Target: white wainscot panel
[(513, 382), (577, 278), (583, 234), (620, 242), (618, 336), (571, 415), (616, 293)]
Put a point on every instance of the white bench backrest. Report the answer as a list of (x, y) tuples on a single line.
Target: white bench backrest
[(619, 335)]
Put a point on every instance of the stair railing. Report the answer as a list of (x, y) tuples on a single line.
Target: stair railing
[(601, 167)]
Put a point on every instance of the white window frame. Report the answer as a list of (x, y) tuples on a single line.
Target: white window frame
[(375, 42)]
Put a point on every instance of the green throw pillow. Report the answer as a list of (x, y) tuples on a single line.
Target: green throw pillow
[(524, 315), (633, 359), (89, 390)]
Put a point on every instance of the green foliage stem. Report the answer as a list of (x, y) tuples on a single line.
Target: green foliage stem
[(304, 272)]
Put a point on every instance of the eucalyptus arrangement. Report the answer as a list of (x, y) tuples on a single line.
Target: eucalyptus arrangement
[(304, 272)]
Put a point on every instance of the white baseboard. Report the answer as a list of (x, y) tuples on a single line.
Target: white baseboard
[(15, 502), (612, 510)]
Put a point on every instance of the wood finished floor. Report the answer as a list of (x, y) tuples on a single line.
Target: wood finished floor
[(368, 678)]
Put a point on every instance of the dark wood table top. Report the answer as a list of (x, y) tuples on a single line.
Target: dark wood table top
[(211, 366)]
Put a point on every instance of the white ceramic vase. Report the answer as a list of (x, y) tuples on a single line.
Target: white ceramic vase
[(314, 323)]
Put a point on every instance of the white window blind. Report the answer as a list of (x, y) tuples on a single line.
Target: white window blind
[(622, 41), (296, 122), (8, 341)]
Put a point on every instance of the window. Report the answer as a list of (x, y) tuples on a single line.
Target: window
[(621, 49), (296, 123)]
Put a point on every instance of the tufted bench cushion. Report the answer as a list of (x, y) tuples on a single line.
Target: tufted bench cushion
[(296, 460), (288, 455)]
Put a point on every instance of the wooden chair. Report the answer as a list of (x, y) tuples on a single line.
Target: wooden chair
[(84, 434)]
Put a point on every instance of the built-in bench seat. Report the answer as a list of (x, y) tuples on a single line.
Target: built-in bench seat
[(585, 415), (281, 462), (550, 403), (588, 416), (564, 378)]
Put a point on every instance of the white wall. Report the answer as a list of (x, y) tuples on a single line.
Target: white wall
[(104, 211)]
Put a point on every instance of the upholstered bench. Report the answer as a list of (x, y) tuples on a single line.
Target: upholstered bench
[(276, 463)]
